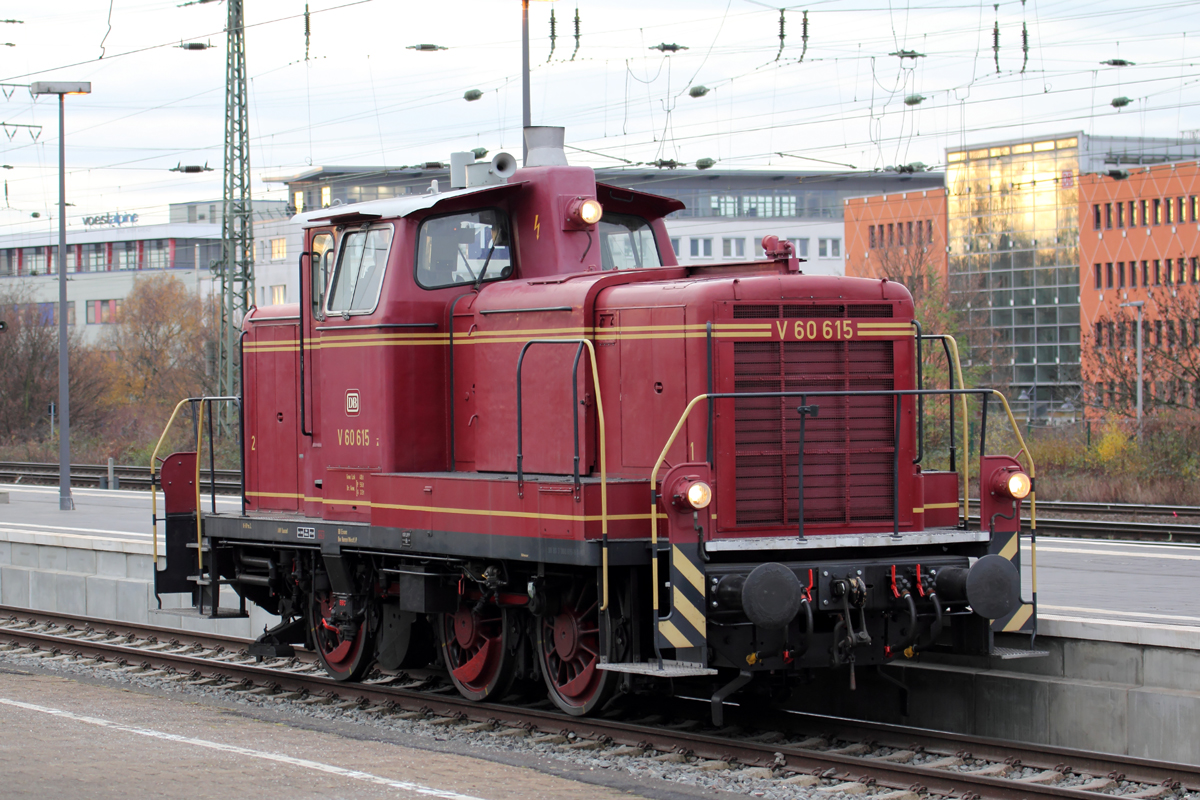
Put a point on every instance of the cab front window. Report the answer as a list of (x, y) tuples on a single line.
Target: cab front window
[(358, 275), (627, 242), (464, 247)]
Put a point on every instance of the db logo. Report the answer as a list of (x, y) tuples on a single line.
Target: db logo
[(352, 403)]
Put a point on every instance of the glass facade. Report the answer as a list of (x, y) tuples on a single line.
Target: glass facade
[(1014, 260)]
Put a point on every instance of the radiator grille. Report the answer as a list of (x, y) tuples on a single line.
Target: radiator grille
[(848, 452), (798, 311)]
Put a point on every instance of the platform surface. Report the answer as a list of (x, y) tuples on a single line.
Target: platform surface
[(1138, 592)]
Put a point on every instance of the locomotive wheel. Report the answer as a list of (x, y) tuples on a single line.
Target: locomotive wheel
[(569, 655), (478, 649), (345, 659)]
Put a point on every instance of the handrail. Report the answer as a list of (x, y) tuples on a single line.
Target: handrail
[(808, 394), (600, 417), (199, 441)]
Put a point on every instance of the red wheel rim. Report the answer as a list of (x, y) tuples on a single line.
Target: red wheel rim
[(571, 652), (475, 648), (339, 653)]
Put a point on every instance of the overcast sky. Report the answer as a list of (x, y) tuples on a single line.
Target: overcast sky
[(362, 98)]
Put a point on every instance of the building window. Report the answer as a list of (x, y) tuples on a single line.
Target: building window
[(830, 248), (1181, 270), (1157, 272), (1158, 333), (326, 196), (1170, 209), (1120, 215), (298, 201), (1195, 210), (1098, 334), (1108, 274), (94, 257), (1145, 273), (1095, 216), (929, 231), (1146, 213), (1108, 222), (1120, 274), (675, 245), (871, 236), (278, 295), (1099, 279), (733, 248), (701, 248), (891, 240), (103, 312), (910, 233), (800, 246), (156, 254), (278, 249), (1157, 211), (125, 255), (1195, 269), (1132, 213)]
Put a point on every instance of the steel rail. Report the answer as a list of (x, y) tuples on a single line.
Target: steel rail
[(791, 758)]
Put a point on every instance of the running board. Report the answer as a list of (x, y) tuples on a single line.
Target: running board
[(653, 669), (1008, 653)]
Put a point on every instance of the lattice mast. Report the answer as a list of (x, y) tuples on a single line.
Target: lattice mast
[(235, 270)]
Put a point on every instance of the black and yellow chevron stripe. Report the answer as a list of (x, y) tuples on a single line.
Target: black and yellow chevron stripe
[(1008, 545), (686, 625)]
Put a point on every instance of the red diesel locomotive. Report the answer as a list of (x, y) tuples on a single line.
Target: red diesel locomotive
[(505, 433)]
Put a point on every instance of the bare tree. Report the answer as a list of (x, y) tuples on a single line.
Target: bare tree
[(29, 371), (1170, 354)]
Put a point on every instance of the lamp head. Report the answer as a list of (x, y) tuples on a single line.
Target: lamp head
[(60, 87)]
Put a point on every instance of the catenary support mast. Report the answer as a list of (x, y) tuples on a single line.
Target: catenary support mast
[(235, 270)]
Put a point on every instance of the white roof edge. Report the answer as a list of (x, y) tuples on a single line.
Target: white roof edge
[(392, 207)]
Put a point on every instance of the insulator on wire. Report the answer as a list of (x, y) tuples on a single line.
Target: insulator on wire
[(576, 50), (307, 31), (553, 35), (782, 34), (1024, 47), (996, 38), (804, 35)]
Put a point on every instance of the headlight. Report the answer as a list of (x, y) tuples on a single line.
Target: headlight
[(1019, 485), (584, 211), (590, 212), (699, 495)]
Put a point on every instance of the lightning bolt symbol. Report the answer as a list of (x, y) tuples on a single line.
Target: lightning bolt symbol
[(537, 228)]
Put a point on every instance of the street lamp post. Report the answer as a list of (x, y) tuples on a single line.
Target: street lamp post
[(62, 89), (1138, 305), (526, 115)]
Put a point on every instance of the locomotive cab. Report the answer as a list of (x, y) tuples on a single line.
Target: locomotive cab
[(505, 432)]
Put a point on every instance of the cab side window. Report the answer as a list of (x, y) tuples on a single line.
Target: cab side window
[(358, 276), (464, 247), (322, 266)]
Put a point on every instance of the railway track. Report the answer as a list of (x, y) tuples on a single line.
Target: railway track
[(228, 482), (874, 760)]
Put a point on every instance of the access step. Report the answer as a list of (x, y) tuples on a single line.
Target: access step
[(655, 669), (1009, 653), (192, 611)]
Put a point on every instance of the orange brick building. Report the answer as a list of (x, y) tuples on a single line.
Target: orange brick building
[(1139, 240), (901, 237)]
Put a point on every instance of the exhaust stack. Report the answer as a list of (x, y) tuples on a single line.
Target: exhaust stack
[(545, 145)]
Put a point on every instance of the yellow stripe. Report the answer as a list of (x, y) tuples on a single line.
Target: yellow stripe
[(940, 505), (465, 511), (689, 612), (1010, 549), (886, 333), (1019, 618), (918, 511), (906, 325), (672, 634), (687, 569)]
